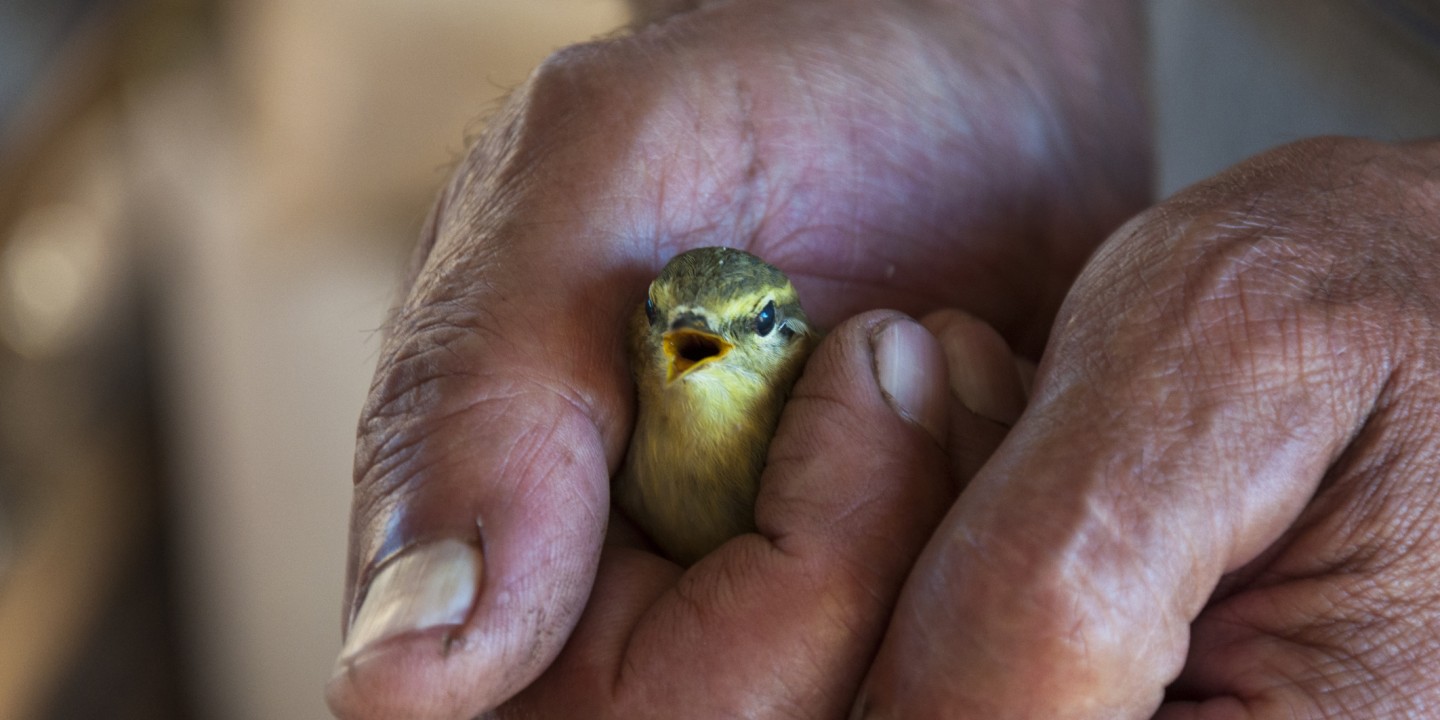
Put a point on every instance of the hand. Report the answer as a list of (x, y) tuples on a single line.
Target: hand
[(1222, 501), (784, 622), (908, 154)]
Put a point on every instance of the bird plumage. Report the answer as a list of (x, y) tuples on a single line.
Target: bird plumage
[(715, 350)]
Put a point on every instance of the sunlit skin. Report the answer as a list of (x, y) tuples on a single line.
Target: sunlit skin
[(715, 349)]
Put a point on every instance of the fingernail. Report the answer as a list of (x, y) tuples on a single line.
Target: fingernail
[(428, 586), (910, 368)]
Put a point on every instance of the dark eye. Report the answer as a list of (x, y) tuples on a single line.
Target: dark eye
[(765, 321), (650, 311)]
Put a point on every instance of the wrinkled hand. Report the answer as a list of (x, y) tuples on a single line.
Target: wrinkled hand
[(785, 622), (884, 153), (1224, 498)]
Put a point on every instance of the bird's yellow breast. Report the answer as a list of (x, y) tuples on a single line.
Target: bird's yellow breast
[(696, 458)]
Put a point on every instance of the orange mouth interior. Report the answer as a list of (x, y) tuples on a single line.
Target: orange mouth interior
[(688, 349)]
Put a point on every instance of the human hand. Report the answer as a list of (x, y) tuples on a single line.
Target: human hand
[(883, 153), (783, 623), (1223, 500)]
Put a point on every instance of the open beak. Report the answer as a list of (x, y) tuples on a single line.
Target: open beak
[(687, 349)]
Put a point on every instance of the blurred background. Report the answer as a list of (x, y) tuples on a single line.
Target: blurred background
[(204, 207)]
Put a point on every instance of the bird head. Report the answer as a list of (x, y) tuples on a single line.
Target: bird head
[(720, 309)]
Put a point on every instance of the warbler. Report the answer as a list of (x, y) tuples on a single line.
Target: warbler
[(715, 349)]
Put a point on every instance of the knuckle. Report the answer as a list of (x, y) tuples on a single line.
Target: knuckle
[(590, 120), (576, 93), (1290, 254), (573, 103)]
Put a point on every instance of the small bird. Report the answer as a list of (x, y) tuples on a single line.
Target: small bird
[(716, 347)]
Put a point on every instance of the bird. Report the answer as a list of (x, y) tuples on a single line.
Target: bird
[(715, 349)]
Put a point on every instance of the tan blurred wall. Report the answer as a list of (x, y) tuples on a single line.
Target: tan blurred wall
[(285, 180)]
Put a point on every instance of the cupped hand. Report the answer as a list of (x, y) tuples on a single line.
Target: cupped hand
[(1224, 499), (783, 623), (895, 153)]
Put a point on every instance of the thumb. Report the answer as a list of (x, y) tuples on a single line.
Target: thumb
[(499, 408)]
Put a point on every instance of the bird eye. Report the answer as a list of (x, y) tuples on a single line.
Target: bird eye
[(650, 312), (765, 321)]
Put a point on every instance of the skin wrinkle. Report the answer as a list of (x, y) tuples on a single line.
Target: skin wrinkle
[(482, 153), (399, 478), (703, 195), (395, 394), (1347, 627), (1392, 460), (717, 222), (454, 284), (867, 580), (411, 392), (1347, 678), (779, 199), (483, 318), (382, 483), (797, 545), (399, 444), (1149, 462), (395, 462), (441, 325), (442, 316), (1363, 542), (736, 209)]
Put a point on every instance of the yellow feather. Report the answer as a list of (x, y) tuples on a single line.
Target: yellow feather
[(692, 471)]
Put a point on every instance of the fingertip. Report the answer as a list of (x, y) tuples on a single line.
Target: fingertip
[(397, 677), (443, 615), (394, 662), (983, 372)]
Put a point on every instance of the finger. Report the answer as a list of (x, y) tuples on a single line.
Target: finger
[(984, 374), (499, 410), (985, 387), (498, 451), (1173, 444), (781, 623)]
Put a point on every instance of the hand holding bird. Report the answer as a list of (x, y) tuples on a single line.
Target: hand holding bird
[(875, 150)]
